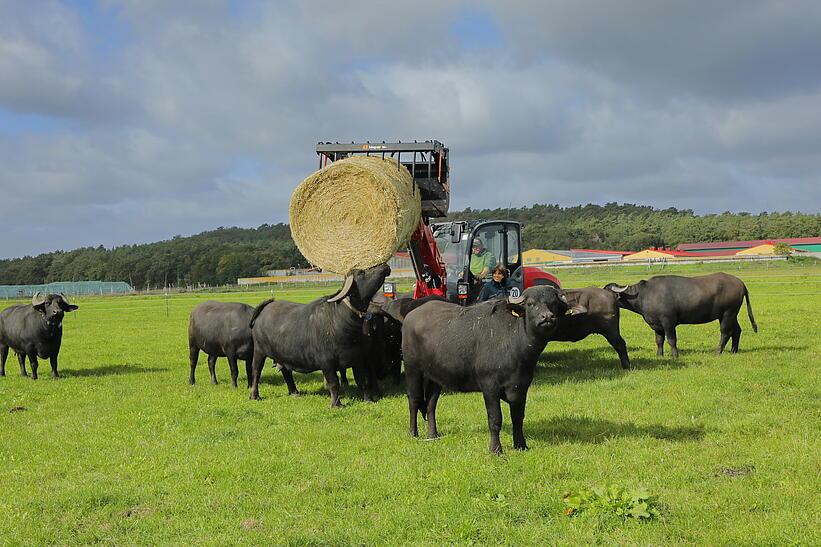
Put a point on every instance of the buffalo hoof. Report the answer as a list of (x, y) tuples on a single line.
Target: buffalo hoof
[(496, 450), (295, 394), (337, 405), (255, 397), (521, 447)]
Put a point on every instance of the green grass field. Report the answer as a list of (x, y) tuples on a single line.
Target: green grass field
[(122, 450)]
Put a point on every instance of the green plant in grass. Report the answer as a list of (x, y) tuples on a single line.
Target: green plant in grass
[(615, 500)]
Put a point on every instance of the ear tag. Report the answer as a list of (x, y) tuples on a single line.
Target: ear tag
[(514, 314), (569, 311)]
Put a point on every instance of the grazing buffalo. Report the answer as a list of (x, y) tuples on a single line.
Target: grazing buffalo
[(221, 329), (327, 334), (602, 317), (492, 347), (666, 301), (34, 331)]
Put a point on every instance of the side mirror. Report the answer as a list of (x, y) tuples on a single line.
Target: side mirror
[(456, 232)]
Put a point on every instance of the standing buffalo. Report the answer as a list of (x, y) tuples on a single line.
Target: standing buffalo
[(492, 347), (602, 317), (34, 331), (666, 301), (327, 334), (221, 329)]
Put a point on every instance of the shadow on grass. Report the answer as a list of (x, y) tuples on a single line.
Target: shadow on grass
[(111, 370), (587, 365), (576, 429)]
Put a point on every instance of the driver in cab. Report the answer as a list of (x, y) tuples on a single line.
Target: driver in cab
[(481, 262)]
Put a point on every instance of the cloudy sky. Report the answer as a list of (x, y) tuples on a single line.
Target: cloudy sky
[(133, 121)]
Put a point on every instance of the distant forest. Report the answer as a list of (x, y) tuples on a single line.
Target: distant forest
[(221, 256)]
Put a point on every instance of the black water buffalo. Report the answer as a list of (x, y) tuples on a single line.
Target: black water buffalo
[(666, 301), (387, 332), (221, 329), (34, 331), (602, 317), (492, 347), (327, 334)]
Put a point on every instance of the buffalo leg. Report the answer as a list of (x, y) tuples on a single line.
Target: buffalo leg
[(670, 331), (212, 368), (34, 365), (332, 381), (660, 343), (288, 376), (432, 391), (736, 338), (494, 421), (193, 357), (53, 362), (516, 398), (343, 377), (21, 358), (232, 365), (415, 387), (259, 361), (360, 376), (248, 371), (620, 346), (4, 354)]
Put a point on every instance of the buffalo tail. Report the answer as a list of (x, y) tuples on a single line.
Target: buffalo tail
[(258, 310), (750, 309)]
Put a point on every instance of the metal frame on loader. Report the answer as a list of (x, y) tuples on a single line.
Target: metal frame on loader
[(429, 166)]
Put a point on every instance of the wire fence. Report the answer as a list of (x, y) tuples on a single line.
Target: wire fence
[(69, 288)]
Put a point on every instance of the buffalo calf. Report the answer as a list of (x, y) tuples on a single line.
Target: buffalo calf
[(221, 329)]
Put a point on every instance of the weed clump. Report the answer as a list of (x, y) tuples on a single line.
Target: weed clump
[(613, 500)]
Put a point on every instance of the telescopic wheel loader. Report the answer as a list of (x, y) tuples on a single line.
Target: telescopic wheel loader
[(441, 251)]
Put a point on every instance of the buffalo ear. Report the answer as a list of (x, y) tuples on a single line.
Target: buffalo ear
[(65, 304), (346, 289), (39, 301)]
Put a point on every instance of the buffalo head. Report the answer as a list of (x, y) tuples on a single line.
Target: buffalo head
[(52, 306), (361, 285), (627, 295), (542, 306)]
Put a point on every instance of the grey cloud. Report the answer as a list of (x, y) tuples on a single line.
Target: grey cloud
[(650, 105)]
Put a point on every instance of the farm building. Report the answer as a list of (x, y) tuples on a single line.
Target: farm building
[(596, 255), (809, 244), (539, 256), (575, 256)]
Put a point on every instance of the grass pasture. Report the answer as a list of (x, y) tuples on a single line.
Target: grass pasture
[(122, 450)]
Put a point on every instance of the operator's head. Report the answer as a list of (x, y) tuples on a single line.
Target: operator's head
[(478, 246)]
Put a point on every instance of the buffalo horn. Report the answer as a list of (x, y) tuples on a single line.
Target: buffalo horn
[(38, 299), (618, 289), (65, 298), (346, 288), (516, 299)]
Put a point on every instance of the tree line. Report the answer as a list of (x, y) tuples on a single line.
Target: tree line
[(220, 256)]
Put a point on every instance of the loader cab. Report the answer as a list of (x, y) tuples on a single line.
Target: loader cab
[(501, 242)]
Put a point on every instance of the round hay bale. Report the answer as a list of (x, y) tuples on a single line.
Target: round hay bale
[(354, 213)]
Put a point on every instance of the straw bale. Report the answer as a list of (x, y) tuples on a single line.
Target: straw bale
[(354, 213)]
